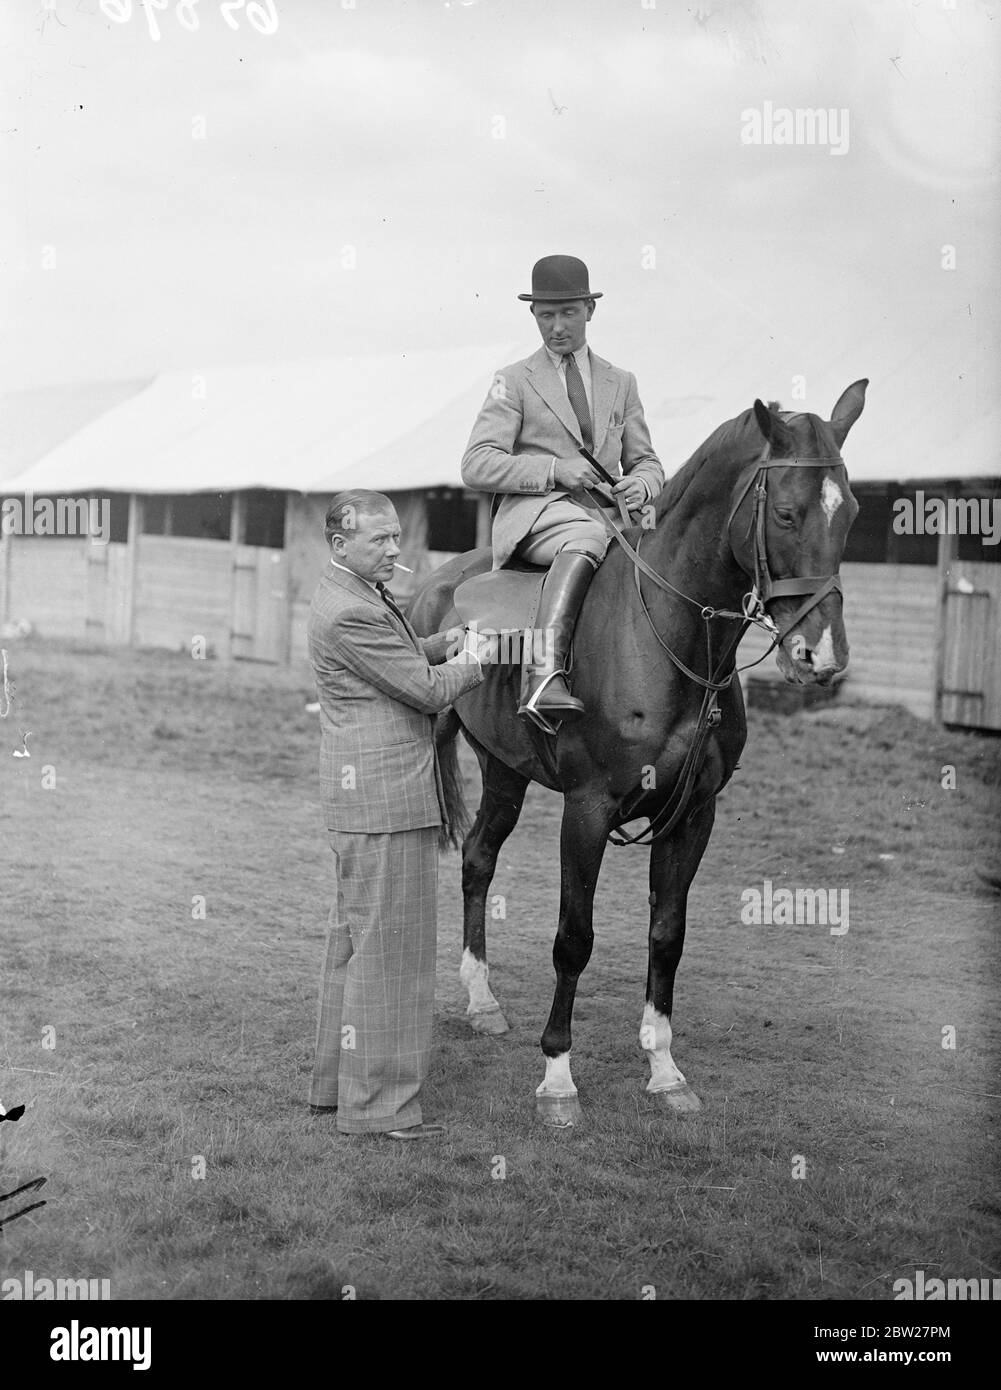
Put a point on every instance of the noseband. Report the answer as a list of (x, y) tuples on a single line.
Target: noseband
[(765, 588)]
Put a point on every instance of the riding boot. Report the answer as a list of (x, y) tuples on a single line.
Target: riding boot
[(545, 697)]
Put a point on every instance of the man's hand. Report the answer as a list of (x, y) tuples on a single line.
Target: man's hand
[(573, 474), (488, 649), (484, 646), (632, 491)]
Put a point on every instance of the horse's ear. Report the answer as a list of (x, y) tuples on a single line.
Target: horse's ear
[(775, 430), (848, 409)]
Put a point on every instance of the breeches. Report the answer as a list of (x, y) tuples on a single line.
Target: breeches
[(563, 525)]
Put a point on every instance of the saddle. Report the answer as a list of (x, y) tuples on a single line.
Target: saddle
[(505, 601)]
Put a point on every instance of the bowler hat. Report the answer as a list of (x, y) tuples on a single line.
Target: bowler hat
[(560, 277)]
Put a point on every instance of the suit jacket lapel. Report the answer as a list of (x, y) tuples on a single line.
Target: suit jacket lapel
[(350, 582), (546, 381), (603, 389)]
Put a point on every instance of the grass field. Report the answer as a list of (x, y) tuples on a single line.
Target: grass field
[(143, 1039)]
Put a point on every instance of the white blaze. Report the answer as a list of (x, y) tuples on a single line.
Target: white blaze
[(831, 498), (655, 1040), (823, 652)]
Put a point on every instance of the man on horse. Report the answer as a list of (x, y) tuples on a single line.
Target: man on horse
[(525, 448)]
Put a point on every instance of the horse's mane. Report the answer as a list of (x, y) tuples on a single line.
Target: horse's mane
[(737, 437), (740, 439)]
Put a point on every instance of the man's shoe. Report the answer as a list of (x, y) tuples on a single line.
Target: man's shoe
[(545, 696), (323, 1109), (416, 1132)]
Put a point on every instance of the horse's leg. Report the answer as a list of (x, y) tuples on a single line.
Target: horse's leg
[(500, 806), (582, 845), (673, 864)]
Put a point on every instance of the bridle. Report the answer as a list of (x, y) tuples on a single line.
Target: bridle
[(765, 588), (754, 610)]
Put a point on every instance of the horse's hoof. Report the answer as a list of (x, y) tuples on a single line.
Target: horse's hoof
[(493, 1023), (559, 1112), (682, 1101)]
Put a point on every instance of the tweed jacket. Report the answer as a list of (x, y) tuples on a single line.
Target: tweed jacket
[(527, 420), (378, 683)]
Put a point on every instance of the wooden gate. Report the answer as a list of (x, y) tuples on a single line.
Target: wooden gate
[(260, 629), (108, 586), (969, 686)]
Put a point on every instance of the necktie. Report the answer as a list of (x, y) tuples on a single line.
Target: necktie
[(578, 399), (390, 602), (397, 612)]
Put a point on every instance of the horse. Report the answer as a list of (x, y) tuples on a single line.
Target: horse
[(750, 529)]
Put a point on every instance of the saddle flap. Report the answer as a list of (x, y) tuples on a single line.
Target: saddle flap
[(501, 600)]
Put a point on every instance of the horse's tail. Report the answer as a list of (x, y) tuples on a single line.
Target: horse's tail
[(456, 820)]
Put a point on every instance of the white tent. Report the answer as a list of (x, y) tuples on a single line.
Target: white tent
[(398, 421)]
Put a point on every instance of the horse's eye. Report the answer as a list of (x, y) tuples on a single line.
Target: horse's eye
[(785, 515)]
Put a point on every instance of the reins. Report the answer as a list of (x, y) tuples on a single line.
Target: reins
[(763, 589)]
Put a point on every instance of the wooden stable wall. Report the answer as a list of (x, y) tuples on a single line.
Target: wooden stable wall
[(891, 613), (44, 580), (184, 588), (969, 657), (153, 591), (245, 601)]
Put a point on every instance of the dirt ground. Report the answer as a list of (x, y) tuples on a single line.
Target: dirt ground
[(848, 1136)]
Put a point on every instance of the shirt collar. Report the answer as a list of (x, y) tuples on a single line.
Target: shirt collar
[(580, 356), (357, 576)]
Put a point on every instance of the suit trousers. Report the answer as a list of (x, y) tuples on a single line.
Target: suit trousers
[(373, 1040)]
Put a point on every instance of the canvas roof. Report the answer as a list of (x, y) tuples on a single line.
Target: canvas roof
[(33, 422), (401, 420), (396, 421)]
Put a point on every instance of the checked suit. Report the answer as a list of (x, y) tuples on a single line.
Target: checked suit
[(379, 687)]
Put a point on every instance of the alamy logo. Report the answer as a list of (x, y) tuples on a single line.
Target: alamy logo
[(34, 1288), (768, 906), (800, 125), (957, 516), (534, 645), (76, 1343), (921, 1289), (57, 516)]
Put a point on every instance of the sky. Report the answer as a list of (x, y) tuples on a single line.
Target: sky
[(380, 176)]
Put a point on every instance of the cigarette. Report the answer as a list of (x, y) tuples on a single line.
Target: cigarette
[(398, 566)]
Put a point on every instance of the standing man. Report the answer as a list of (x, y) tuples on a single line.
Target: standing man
[(379, 686), (524, 448)]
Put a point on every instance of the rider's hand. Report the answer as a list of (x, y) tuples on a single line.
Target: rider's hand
[(632, 492), (573, 474)]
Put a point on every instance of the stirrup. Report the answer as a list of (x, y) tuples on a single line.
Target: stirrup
[(529, 709)]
